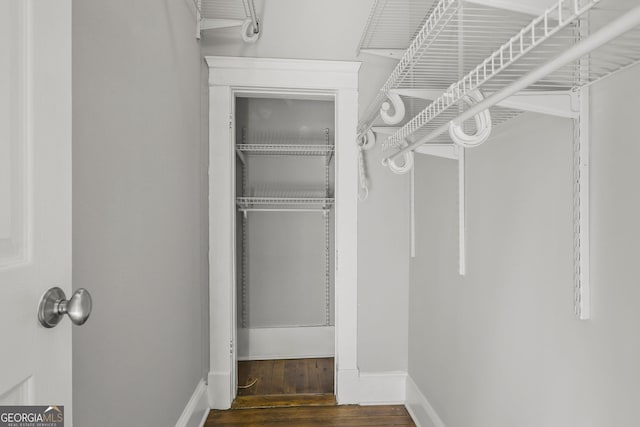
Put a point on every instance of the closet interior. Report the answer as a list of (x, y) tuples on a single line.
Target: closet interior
[(284, 240)]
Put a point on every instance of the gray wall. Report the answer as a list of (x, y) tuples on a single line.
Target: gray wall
[(308, 29), (139, 203), (501, 346)]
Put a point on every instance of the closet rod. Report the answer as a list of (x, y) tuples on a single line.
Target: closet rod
[(614, 29)]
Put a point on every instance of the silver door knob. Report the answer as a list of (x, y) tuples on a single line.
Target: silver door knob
[(54, 305)]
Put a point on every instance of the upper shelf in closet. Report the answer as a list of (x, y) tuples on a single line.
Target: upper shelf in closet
[(463, 46), (280, 143)]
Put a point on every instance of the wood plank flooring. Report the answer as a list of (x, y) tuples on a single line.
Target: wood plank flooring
[(283, 400), (310, 416), (298, 393), (290, 376)]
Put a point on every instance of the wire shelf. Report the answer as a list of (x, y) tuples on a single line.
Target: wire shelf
[(222, 9), (454, 37), (284, 203), (546, 37), (287, 137), (286, 149)]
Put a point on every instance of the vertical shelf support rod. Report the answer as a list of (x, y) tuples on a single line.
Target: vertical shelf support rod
[(582, 298), (245, 256), (327, 240), (462, 213)]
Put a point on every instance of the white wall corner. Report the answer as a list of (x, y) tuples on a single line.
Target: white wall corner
[(218, 390), (383, 388), (421, 411), (197, 409)]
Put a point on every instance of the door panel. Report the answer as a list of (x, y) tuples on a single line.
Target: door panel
[(13, 143), (35, 198)]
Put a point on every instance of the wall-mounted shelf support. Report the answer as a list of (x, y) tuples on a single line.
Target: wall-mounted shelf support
[(462, 214), (241, 157), (581, 167)]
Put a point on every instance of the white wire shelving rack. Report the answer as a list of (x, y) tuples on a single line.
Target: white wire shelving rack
[(543, 66), (215, 14), (545, 38), (263, 198), (455, 35)]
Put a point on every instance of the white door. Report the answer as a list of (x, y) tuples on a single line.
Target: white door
[(35, 199)]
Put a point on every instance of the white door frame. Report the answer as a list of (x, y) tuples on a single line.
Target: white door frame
[(339, 79)]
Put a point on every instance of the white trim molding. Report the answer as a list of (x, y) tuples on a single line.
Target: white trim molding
[(197, 409), (372, 388), (383, 388), (229, 76), (421, 411)]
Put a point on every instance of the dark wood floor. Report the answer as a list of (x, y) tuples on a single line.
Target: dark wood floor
[(310, 416), (300, 393), (290, 376)]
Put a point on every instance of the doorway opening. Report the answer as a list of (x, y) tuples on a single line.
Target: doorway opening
[(284, 241)]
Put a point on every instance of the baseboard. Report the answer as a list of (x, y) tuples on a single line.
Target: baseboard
[(382, 388), (197, 409), (370, 388), (286, 343), (421, 411)]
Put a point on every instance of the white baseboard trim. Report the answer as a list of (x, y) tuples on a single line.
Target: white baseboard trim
[(370, 388), (383, 388), (197, 409), (286, 343), (218, 390), (419, 407)]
